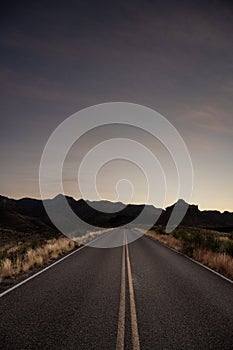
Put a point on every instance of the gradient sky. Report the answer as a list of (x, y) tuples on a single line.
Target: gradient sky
[(173, 56)]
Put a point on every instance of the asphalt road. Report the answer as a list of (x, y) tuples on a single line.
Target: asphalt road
[(139, 296)]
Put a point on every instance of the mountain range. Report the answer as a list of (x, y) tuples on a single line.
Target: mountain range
[(28, 214)]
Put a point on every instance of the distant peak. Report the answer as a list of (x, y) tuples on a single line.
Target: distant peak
[(61, 196), (58, 196), (182, 202)]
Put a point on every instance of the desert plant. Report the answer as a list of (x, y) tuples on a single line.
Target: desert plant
[(160, 230), (227, 247), (6, 268), (24, 257)]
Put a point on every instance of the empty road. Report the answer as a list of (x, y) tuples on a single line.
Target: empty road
[(140, 295)]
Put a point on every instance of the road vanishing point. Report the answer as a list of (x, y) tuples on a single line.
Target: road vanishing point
[(140, 295)]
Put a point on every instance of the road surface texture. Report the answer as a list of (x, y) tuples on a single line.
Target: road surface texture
[(138, 296)]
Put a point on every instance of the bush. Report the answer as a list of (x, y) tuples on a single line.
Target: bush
[(161, 231), (231, 235), (187, 248), (212, 243), (176, 235), (198, 239), (227, 247), (182, 235)]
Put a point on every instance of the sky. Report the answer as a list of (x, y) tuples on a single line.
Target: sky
[(175, 57)]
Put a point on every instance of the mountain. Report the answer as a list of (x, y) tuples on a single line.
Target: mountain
[(28, 214), (22, 216), (210, 219)]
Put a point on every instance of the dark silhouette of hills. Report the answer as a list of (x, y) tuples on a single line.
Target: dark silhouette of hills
[(210, 219), (29, 215)]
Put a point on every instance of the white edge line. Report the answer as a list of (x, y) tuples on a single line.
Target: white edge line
[(121, 314), (209, 268), (195, 261), (47, 267)]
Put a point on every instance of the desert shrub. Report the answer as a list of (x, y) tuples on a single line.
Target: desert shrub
[(198, 239), (187, 248), (211, 243), (35, 244), (220, 262), (175, 234), (23, 250), (161, 231), (182, 235), (227, 247), (230, 235)]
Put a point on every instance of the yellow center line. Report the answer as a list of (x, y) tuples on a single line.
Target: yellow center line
[(121, 318), (134, 325)]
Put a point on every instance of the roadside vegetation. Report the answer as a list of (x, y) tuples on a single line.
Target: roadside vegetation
[(25, 256), (20, 253), (214, 249)]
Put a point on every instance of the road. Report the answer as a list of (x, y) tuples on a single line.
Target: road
[(138, 296)]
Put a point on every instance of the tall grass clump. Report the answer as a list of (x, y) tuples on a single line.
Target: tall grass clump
[(209, 247), (6, 268), (23, 258)]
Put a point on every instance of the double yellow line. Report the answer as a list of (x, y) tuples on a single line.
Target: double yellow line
[(121, 319)]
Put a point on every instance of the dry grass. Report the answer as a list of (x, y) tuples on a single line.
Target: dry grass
[(23, 262), (6, 268), (167, 239), (21, 256), (218, 261)]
